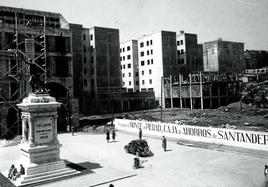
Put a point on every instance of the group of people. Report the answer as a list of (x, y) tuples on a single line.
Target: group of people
[(164, 140), (13, 172), (108, 135)]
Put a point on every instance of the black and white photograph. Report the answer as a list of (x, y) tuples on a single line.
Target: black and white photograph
[(136, 93)]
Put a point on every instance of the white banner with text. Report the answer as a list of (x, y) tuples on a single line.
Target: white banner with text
[(239, 138)]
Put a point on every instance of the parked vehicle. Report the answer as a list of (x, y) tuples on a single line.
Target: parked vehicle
[(139, 148)]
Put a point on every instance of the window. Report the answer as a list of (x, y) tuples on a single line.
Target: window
[(151, 42), (92, 59), (124, 66), (150, 81), (181, 42), (182, 61), (129, 83), (137, 74), (141, 44), (143, 82), (92, 82), (123, 75), (123, 49), (91, 37), (148, 52), (121, 66), (123, 83), (182, 51), (142, 72), (120, 58), (178, 42), (151, 51), (120, 50), (152, 61), (84, 48), (123, 57), (142, 63), (128, 57), (129, 66), (85, 60), (91, 48), (148, 62), (129, 74), (178, 52), (137, 83), (92, 71), (85, 71), (128, 48), (147, 43), (142, 53), (150, 71), (85, 82), (84, 37)]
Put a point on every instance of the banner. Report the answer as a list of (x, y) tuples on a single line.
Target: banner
[(239, 138)]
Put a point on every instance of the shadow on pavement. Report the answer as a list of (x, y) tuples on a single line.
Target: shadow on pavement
[(84, 167)]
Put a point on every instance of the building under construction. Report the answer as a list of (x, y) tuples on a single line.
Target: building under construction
[(199, 91), (42, 39)]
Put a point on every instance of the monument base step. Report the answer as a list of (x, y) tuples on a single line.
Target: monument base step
[(44, 176)]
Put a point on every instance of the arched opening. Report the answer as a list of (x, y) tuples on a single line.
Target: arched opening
[(64, 112), (13, 123)]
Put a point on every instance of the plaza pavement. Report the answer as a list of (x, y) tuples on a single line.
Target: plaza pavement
[(103, 163)]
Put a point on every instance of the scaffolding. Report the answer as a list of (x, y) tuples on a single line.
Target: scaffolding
[(19, 54)]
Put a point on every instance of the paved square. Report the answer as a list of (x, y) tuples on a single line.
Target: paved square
[(104, 163)]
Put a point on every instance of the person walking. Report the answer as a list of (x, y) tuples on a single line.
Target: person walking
[(113, 136), (140, 133), (72, 130), (164, 143), (107, 136)]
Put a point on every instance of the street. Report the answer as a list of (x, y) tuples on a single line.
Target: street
[(103, 163)]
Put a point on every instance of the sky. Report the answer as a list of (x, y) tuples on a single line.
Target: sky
[(232, 20)]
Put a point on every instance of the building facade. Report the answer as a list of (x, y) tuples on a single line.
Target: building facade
[(157, 58), (130, 65), (39, 38), (188, 50), (255, 59), (223, 56), (106, 82)]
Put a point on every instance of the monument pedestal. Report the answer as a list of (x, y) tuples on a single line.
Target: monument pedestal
[(39, 147)]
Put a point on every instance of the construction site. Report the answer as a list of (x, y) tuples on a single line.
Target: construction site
[(37, 43)]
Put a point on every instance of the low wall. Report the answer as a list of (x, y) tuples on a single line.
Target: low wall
[(239, 138)]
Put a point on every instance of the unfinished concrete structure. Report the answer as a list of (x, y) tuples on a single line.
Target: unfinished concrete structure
[(224, 56), (203, 90), (43, 39)]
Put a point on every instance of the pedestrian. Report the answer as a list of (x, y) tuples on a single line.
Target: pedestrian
[(107, 136), (72, 130), (140, 133), (113, 135), (21, 172), (164, 143), (14, 174), (11, 171), (265, 170), (111, 185)]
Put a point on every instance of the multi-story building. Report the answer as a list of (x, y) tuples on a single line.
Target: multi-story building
[(81, 65), (130, 65), (157, 58), (106, 82), (43, 39), (188, 52), (223, 56), (256, 59)]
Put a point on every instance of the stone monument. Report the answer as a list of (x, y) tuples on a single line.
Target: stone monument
[(39, 147)]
